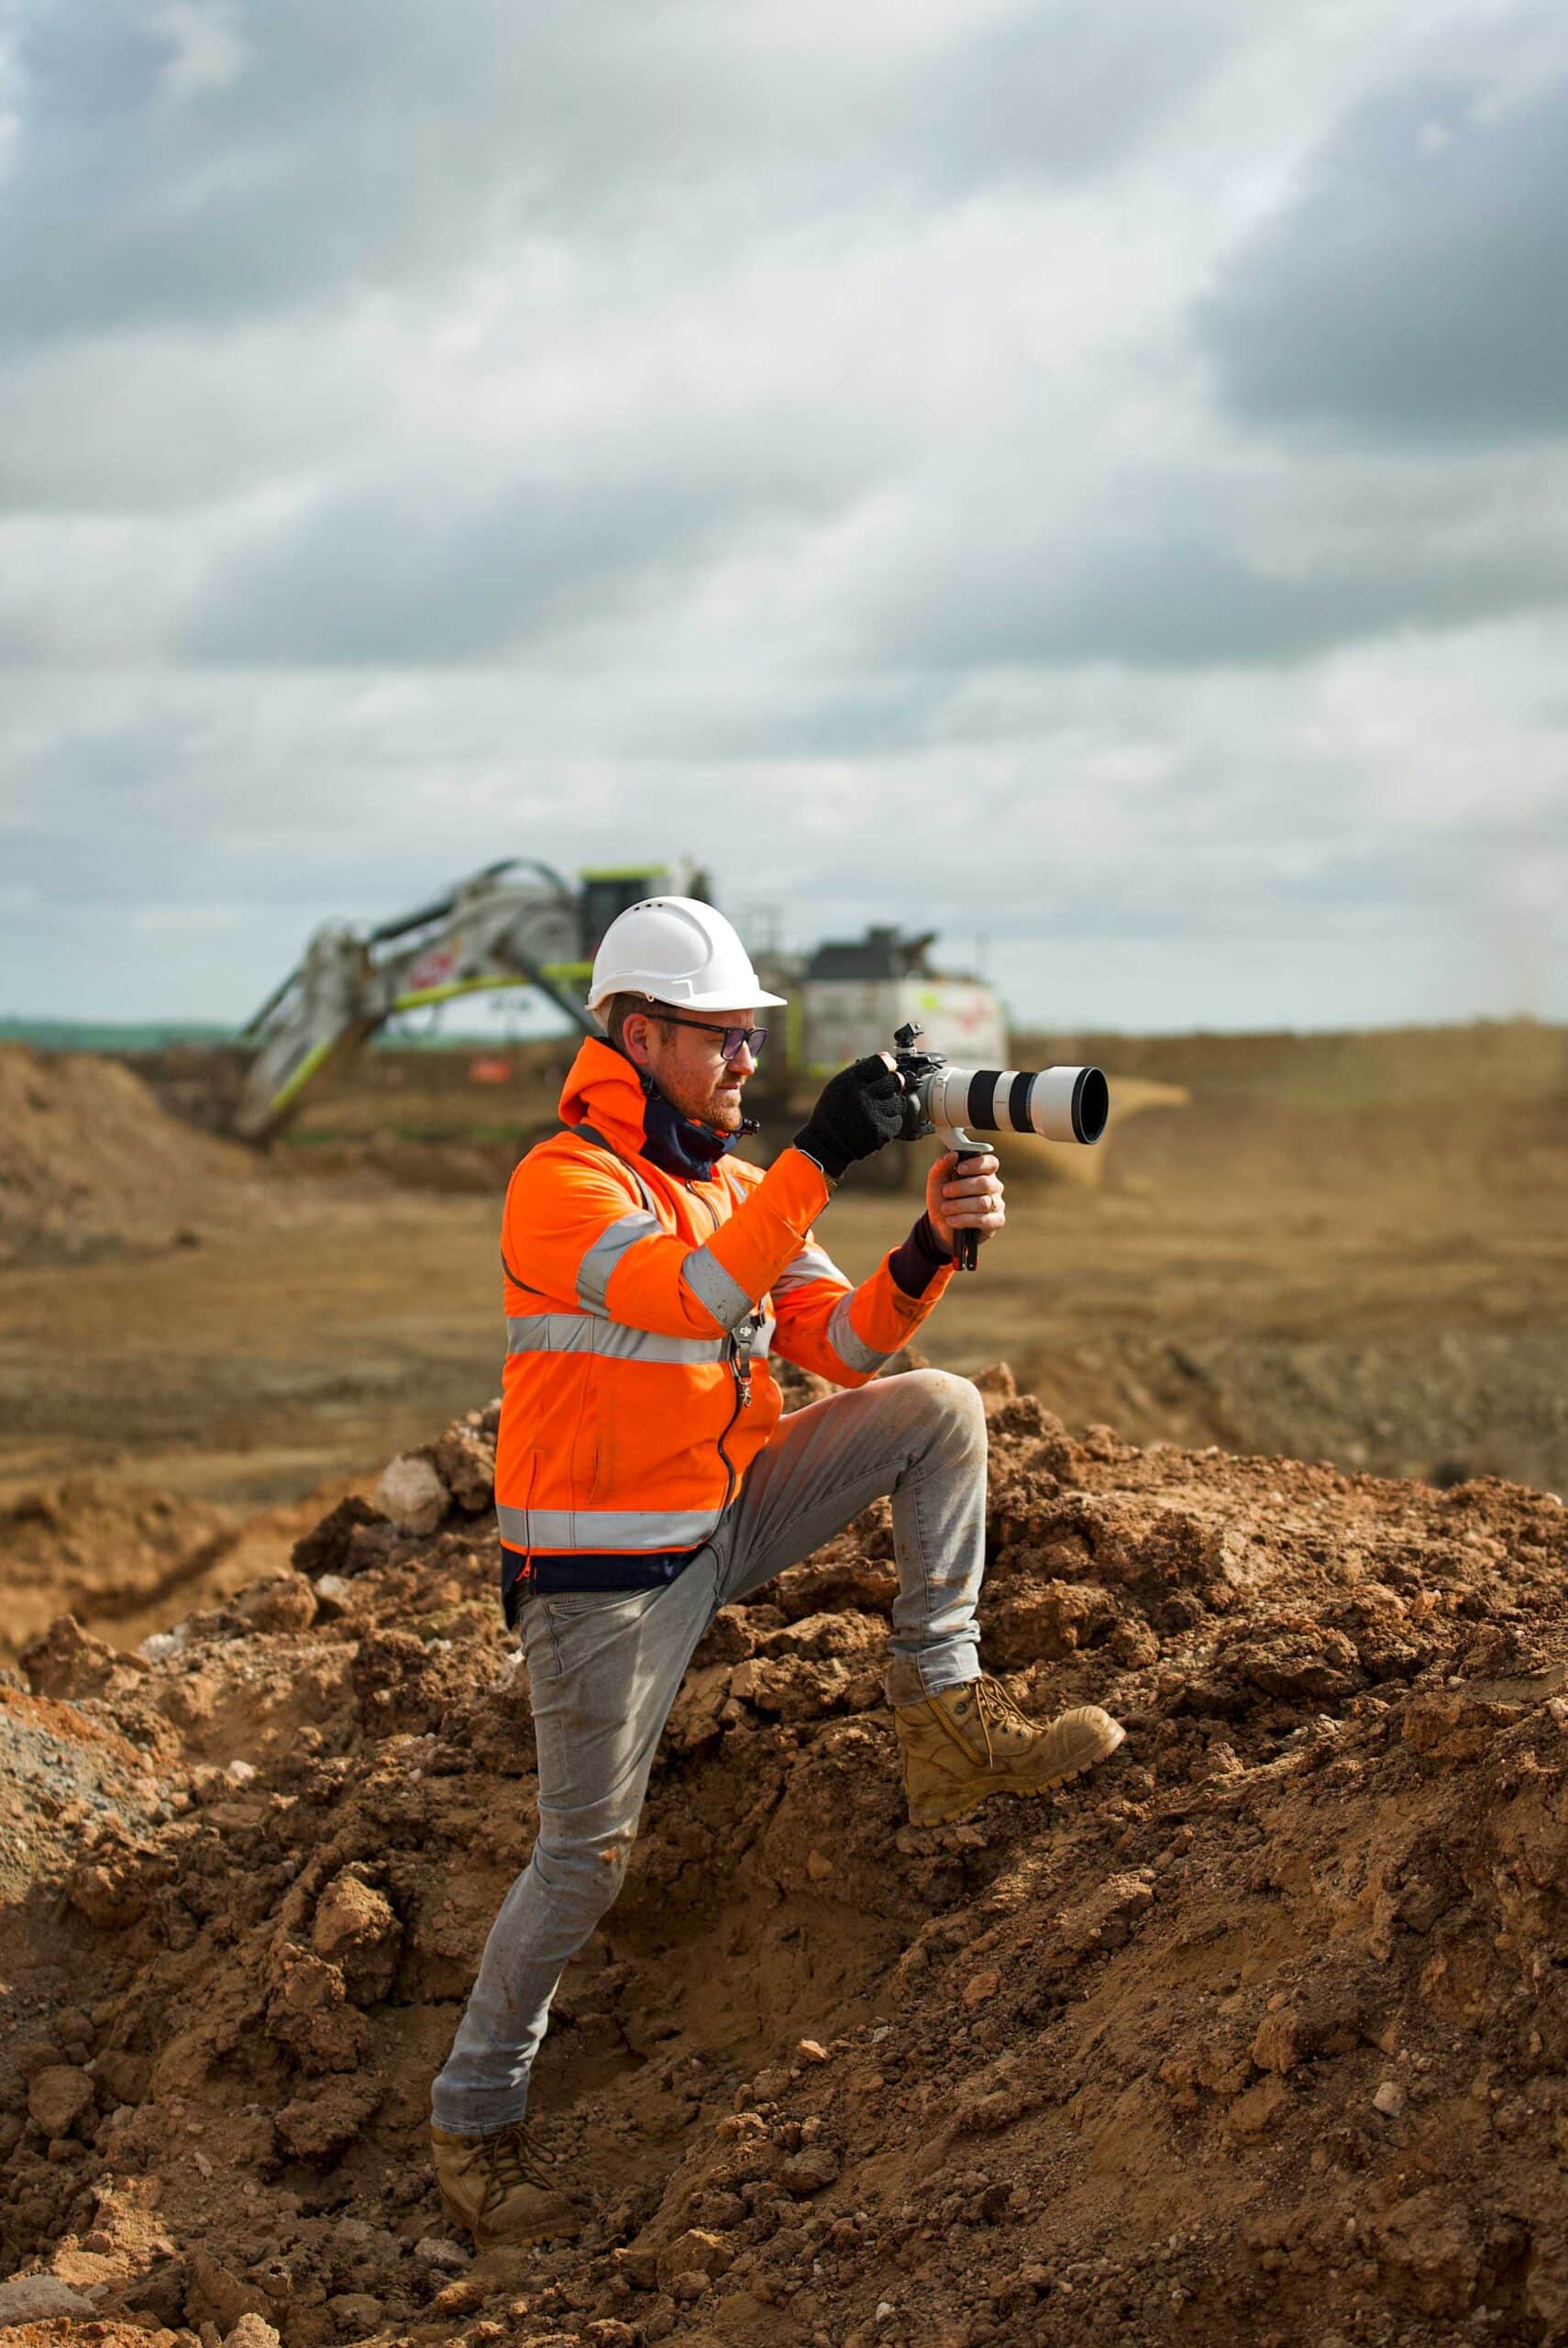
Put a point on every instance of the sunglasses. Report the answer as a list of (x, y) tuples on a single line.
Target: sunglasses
[(733, 1042)]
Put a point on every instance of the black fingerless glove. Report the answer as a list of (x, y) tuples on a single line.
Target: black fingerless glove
[(861, 1109)]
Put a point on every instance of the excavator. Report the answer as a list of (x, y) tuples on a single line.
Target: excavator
[(518, 923)]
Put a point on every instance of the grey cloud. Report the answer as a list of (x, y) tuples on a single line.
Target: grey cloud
[(299, 174), (176, 799), (190, 418), (352, 151), (1188, 603), (1414, 290), (721, 721), (1061, 91), (435, 571), (1107, 819), (1174, 572)]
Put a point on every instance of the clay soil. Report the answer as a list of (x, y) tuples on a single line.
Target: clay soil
[(1258, 2035)]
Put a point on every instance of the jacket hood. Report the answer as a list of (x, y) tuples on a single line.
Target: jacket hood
[(604, 1090)]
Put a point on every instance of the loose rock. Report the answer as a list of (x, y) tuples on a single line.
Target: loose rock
[(412, 1495)]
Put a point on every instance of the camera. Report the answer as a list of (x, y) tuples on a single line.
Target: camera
[(959, 1104)]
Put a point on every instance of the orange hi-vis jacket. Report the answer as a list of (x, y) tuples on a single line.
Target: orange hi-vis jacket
[(640, 1310)]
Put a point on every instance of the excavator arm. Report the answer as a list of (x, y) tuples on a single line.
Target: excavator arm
[(497, 928)]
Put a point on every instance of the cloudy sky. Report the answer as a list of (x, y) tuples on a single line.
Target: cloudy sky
[(1088, 479)]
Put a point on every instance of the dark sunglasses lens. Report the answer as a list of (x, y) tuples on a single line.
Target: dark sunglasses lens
[(739, 1039)]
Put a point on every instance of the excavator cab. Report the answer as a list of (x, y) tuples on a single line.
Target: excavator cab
[(612, 889)]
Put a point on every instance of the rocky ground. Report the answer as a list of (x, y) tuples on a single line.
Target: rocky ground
[(126, 1559), (1259, 2035)]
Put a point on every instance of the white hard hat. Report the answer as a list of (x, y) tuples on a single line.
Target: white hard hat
[(680, 951)]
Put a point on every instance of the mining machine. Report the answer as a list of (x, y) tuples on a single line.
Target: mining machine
[(518, 923)]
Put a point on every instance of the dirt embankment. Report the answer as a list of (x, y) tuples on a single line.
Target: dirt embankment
[(125, 1559), (89, 1166), (1259, 2036)]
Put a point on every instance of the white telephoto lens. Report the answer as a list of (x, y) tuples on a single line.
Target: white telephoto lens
[(1058, 1104)]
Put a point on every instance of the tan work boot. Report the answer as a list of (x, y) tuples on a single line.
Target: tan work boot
[(500, 2187), (972, 1741)]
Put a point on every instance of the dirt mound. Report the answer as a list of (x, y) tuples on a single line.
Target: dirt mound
[(1261, 2036), (89, 1162), (122, 1557)]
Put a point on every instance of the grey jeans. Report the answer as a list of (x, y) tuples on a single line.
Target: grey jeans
[(604, 1666)]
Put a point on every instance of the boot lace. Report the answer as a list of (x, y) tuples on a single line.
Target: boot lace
[(994, 1705), (512, 2158)]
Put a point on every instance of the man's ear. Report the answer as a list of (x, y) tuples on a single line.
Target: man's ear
[(634, 1037)]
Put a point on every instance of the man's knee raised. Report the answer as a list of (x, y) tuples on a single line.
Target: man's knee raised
[(948, 1402)]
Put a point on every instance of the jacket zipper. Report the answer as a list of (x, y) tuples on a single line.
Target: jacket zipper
[(742, 1384)]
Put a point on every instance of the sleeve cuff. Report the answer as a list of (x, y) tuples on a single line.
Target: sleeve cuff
[(915, 1264)]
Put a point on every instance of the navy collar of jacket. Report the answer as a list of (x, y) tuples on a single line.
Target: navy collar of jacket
[(678, 1145)]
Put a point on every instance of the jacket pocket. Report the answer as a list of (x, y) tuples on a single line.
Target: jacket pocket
[(584, 1456), (603, 1417)]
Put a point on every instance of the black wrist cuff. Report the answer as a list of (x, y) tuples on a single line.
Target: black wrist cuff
[(915, 1265), (924, 1235)]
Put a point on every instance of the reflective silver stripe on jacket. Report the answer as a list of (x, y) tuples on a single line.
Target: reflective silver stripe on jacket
[(589, 1333), (852, 1351), (713, 1286), (593, 1273), (813, 1263), (605, 1528)]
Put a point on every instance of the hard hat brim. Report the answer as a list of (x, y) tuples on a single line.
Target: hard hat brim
[(757, 998)]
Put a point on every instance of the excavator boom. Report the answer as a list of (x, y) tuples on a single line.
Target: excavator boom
[(513, 924)]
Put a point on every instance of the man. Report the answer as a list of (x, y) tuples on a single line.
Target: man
[(644, 1479)]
